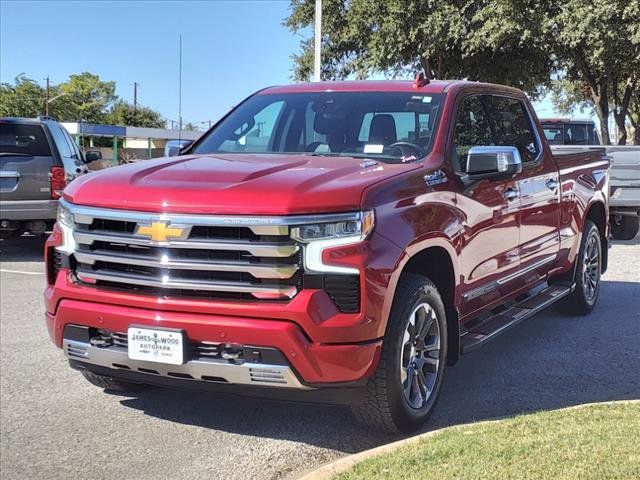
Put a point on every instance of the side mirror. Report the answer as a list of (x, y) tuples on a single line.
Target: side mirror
[(493, 162), (92, 156), (184, 147)]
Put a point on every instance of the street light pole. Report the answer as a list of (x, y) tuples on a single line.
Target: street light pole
[(317, 42), (46, 101)]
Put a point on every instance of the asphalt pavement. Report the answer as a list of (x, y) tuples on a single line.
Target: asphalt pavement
[(54, 424)]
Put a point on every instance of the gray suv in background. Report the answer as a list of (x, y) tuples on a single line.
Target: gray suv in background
[(38, 158)]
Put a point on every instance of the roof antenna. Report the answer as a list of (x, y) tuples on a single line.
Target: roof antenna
[(421, 80)]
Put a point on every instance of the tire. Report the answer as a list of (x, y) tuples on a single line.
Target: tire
[(109, 383), (587, 274), (405, 386), (625, 227)]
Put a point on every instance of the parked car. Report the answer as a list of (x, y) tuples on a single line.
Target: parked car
[(337, 242), (567, 131), (624, 201), (37, 159)]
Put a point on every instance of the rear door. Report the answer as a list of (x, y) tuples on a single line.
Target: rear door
[(26, 159), (538, 186)]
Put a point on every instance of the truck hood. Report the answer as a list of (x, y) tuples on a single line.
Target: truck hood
[(251, 184)]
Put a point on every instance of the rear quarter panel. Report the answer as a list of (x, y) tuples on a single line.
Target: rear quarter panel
[(584, 180)]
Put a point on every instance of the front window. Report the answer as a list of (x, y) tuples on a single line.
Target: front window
[(392, 127)]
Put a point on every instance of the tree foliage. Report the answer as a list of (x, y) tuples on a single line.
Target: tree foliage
[(592, 47), (123, 113), (83, 97)]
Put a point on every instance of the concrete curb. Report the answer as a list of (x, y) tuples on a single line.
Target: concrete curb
[(341, 465)]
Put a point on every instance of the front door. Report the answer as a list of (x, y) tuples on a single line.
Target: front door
[(490, 210)]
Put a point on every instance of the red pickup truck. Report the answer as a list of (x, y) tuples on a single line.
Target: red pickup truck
[(334, 242)]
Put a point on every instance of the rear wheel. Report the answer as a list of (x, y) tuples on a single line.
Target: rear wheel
[(625, 227), (404, 389), (587, 277), (109, 383)]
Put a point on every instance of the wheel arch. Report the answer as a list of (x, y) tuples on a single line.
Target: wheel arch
[(437, 261)]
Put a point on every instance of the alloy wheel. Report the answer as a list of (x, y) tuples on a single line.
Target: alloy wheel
[(591, 269), (420, 357)]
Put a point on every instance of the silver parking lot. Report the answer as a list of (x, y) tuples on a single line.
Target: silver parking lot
[(54, 424)]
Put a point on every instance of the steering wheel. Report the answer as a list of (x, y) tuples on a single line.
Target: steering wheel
[(417, 149)]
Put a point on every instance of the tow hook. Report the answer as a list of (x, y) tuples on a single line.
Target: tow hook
[(232, 352)]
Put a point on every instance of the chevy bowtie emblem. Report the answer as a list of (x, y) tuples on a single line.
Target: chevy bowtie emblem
[(161, 231)]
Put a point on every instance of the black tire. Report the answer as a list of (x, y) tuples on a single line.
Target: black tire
[(109, 383), (584, 297), (386, 406), (625, 227)]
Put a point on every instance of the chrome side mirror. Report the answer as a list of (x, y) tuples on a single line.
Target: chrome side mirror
[(493, 162)]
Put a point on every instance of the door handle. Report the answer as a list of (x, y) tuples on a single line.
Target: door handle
[(511, 194), (552, 184)]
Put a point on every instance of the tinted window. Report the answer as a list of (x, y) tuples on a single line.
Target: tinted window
[(472, 129), (60, 140), (329, 123), (23, 140), (513, 126), (554, 135)]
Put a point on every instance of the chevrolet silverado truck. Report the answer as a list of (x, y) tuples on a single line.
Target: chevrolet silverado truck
[(328, 242)]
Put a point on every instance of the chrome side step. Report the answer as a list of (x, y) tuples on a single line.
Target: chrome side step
[(496, 324)]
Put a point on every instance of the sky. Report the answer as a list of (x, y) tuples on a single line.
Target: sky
[(229, 49)]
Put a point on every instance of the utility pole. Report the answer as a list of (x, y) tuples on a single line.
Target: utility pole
[(317, 41), (46, 100), (180, 90), (135, 97)]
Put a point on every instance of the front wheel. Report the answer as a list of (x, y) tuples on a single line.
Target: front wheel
[(405, 387)]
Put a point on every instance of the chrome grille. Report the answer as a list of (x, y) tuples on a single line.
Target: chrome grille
[(212, 257)]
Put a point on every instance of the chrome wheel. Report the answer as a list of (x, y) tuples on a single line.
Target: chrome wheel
[(591, 269), (420, 356)]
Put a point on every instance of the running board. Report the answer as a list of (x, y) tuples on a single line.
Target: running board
[(493, 326)]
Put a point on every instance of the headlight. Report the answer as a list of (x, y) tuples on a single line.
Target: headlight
[(66, 221), (358, 227), (321, 236), (65, 217)]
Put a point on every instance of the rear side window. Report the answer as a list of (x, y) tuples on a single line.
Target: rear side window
[(60, 139), (513, 126), (26, 140)]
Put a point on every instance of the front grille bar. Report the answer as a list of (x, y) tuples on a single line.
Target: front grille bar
[(258, 291), (257, 270), (254, 248)]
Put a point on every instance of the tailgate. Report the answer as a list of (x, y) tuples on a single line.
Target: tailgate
[(25, 162)]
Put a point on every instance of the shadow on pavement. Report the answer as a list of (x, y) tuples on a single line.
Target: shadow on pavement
[(27, 248), (550, 361)]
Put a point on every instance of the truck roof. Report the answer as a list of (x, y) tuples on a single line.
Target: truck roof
[(434, 86)]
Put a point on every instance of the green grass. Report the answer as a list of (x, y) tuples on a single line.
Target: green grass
[(593, 442)]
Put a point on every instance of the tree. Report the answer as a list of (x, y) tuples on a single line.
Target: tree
[(87, 98), (498, 41), (25, 98), (123, 113), (597, 45)]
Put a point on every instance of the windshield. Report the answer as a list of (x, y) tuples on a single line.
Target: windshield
[(387, 126)]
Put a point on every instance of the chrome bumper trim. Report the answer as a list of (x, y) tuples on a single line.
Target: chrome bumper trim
[(255, 374), (258, 291), (255, 249), (264, 271)]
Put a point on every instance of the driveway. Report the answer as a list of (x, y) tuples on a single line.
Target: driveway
[(54, 424)]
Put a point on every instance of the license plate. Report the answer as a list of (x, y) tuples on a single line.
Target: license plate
[(156, 345)]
